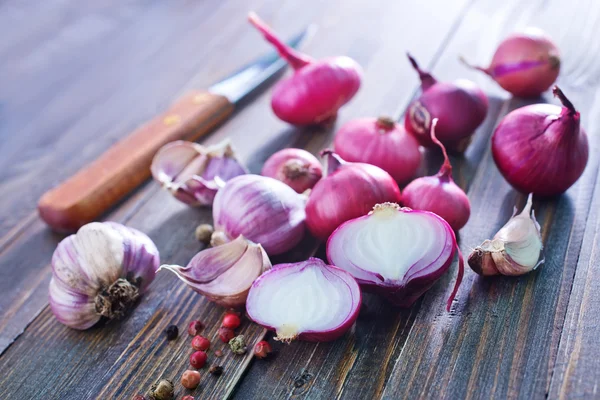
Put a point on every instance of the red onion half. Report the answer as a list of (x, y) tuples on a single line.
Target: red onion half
[(380, 142), (461, 107), (297, 168), (263, 210), (397, 252), (348, 191), (438, 193), (525, 64), (541, 148), (317, 89), (308, 300)]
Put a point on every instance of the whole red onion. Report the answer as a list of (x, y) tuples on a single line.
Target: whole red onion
[(348, 191), (308, 300), (525, 64), (438, 193), (317, 89), (461, 107), (297, 168), (397, 252), (381, 142), (541, 148)]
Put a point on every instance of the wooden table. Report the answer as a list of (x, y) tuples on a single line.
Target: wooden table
[(77, 76)]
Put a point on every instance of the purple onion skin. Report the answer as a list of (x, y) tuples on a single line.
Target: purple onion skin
[(541, 149)]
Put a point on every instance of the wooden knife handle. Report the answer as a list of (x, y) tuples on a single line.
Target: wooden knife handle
[(101, 184)]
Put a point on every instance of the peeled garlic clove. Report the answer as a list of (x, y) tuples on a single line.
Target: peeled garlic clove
[(224, 274), (515, 250), (193, 173), (100, 271)]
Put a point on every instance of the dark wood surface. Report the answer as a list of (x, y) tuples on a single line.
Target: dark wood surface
[(76, 77)]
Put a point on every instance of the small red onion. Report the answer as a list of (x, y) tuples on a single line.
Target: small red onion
[(317, 89), (438, 193), (262, 209), (349, 190), (541, 148), (297, 168), (525, 64), (397, 252), (308, 300), (380, 142), (461, 107)]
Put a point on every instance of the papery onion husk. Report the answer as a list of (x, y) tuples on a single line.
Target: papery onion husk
[(515, 250), (297, 168), (396, 252), (100, 271), (262, 209), (541, 148), (381, 142), (225, 273), (194, 173), (317, 89), (349, 190), (308, 300)]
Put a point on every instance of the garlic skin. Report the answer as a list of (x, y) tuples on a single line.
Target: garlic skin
[(100, 272), (194, 173), (224, 274), (515, 250)]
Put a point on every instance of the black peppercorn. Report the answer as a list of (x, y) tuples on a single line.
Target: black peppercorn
[(216, 370), (172, 332)]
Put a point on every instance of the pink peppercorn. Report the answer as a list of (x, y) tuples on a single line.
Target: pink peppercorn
[(195, 327), (262, 349), (231, 321), (226, 334), (190, 379), (198, 359), (188, 397), (200, 343)]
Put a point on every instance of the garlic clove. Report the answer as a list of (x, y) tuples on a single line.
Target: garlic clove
[(515, 250)]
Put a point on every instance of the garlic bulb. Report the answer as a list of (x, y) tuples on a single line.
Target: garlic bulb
[(100, 272), (193, 173), (224, 274), (515, 250)]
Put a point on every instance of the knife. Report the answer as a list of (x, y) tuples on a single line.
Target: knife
[(101, 184)]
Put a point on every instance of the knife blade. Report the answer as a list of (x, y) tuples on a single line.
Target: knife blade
[(86, 195)]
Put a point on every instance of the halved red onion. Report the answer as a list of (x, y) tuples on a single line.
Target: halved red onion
[(309, 300), (397, 252)]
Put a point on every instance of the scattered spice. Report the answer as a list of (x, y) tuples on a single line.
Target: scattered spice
[(262, 349), (139, 397), (216, 370), (218, 353), (188, 397), (204, 232), (226, 334), (195, 327), (190, 379), (200, 343), (198, 359), (238, 344), (231, 321), (172, 332), (162, 390)]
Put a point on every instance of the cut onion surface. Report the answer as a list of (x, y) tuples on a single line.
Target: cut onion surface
[(397, 252), (309, 300)]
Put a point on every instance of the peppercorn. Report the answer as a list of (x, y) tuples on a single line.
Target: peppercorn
[(238, 344), (172, 332), (195, 327), (262, 349), (216, 370), (198, 359), (218, 353), (231, 321), (139, 397), (200, 343), (226, 334), (188, 397), (162, 390), (204, 232), (190, 379)]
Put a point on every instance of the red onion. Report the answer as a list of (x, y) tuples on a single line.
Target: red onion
[(297, 168), (397, 252), (461, 107), (317, 89), (380, 142), (541, 148), (438, 193), (264, 210), (525, 64), (308, 300), (349, 190)]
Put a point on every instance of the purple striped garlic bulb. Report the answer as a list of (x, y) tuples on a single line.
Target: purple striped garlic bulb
[(100, 271)]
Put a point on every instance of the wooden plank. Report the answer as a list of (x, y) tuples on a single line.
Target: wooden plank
[(121, 359), (501, 338)]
